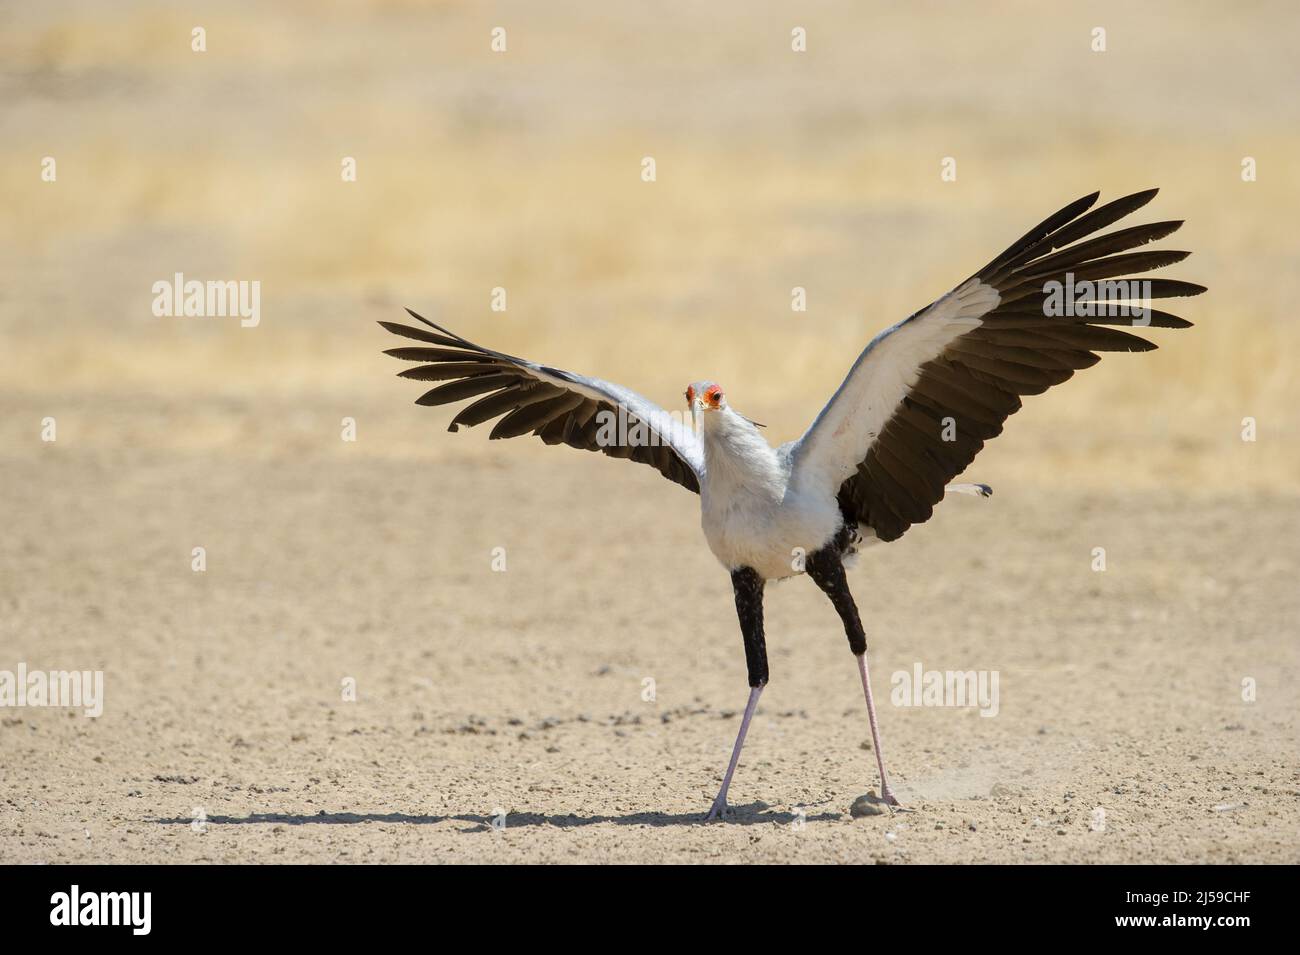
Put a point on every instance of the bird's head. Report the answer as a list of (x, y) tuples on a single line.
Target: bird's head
[(707, 397), (703, 397)]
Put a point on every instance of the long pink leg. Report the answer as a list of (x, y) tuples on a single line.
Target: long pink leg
[(886, 793), (720, 803)]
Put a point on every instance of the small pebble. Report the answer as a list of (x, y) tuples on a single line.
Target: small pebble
[(868, 805)]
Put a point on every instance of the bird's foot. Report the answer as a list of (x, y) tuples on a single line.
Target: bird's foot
[(889, 799), (720, 809)]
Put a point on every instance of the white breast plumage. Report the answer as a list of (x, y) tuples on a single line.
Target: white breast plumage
[(750, 514)]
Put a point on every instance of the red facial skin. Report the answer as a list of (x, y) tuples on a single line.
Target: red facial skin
[(712, 396)]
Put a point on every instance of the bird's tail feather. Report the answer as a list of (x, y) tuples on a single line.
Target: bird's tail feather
[(977, 490)]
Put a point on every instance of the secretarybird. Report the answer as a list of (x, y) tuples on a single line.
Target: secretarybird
[(916, 407)]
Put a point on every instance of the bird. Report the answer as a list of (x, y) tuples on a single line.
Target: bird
[(913, 411)]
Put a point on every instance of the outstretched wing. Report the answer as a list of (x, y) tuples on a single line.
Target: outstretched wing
[(925, 395), (560, 407)]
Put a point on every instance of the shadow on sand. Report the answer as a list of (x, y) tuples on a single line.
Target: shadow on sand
[(751, 815)]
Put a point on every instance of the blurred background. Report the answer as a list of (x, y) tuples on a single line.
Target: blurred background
[(521, 169), (370, 560)]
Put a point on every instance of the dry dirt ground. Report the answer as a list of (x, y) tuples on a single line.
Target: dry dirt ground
[(482, 692)]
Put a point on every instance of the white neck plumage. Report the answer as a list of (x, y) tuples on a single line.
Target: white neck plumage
[(737, 458)]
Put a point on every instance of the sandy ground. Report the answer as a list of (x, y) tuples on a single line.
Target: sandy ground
[(521, 691)]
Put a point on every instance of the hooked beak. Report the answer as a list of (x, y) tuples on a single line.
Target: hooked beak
[(696, 407)]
